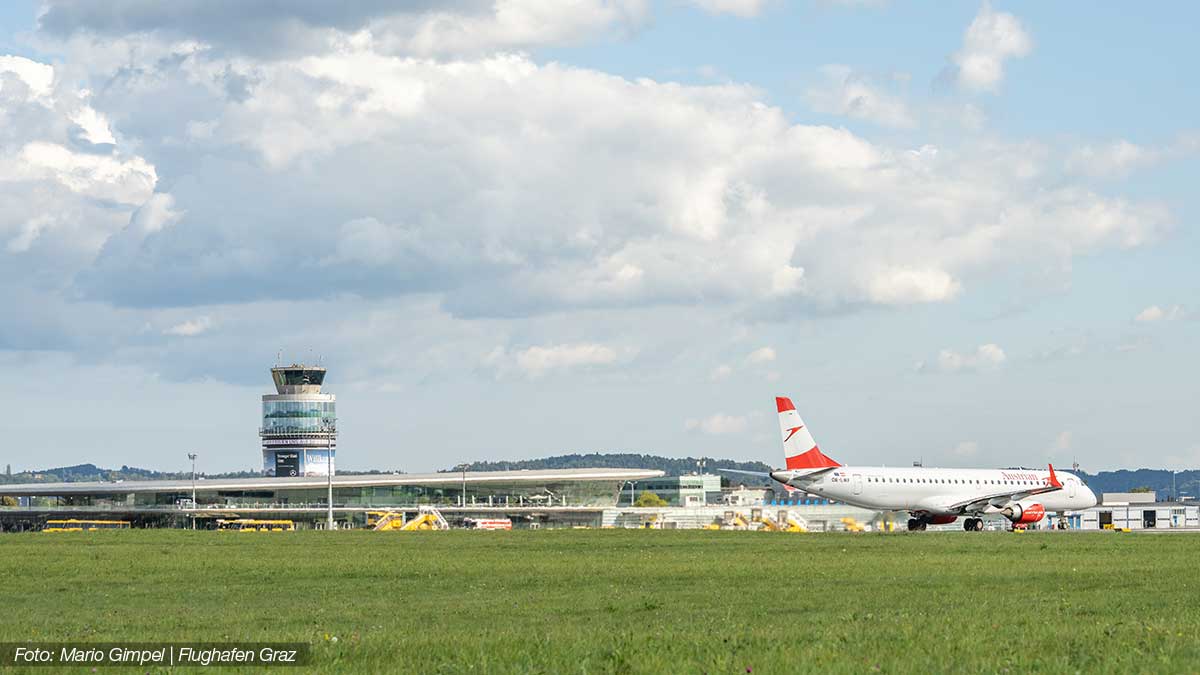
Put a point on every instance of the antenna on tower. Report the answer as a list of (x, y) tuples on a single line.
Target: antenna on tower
[(278, 357)]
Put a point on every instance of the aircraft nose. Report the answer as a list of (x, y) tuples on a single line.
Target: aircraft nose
[(1092, 501)]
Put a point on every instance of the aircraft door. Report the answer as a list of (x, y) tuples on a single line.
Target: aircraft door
[(858, 483), (1071, 489)]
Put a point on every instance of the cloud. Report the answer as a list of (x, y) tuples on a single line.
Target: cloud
[(190, 328), (858, 95), (1117, 158), (66, 186), (719, 373), (279, 30), (483, 187), (965, 449), (537, 361), (761, 355), (719, 424), (37, 77), (1154, 313), (742, 8), (991, 39), (986, 358), (1062, 442), (535, 188)]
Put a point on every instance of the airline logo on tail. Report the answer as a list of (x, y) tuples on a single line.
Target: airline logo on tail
[(799, 447)]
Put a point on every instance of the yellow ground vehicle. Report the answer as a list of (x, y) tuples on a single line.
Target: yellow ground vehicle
[(385, 520), (74, 525), (250, 525)]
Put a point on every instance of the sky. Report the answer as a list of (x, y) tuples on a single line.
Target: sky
[(961, 233)]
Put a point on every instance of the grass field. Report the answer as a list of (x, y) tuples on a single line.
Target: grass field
[(626, 601)]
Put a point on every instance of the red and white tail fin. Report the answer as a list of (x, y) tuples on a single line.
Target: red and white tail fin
[(799, 447)]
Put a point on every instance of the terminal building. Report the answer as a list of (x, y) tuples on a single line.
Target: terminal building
[(550, 498), (299, 424)]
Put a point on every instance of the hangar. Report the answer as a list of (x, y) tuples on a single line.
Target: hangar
[(1137, 511)]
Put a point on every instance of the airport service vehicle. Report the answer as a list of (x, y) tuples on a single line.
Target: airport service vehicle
[(930, 495), (487, 523), (73, 525), (249, 525)]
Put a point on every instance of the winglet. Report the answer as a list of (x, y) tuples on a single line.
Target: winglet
[(1053, 478)]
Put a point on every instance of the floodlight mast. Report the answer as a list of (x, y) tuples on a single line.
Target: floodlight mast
[(192, 456), (329, 482)]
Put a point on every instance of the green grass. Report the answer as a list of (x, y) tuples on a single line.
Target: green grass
[(626, 601)]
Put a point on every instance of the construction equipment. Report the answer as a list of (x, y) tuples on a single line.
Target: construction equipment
[(786, 525), (853, 525), (428, 518), (385, 520), (791, 525)]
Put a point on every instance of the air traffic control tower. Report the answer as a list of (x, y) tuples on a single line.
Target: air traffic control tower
[(299, 424)]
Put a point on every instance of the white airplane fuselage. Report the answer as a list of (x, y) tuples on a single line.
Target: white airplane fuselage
[(937, 491)]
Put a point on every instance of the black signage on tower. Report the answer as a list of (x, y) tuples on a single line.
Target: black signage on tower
[(287, 463)]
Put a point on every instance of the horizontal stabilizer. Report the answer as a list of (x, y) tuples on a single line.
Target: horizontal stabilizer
[(764, 474)]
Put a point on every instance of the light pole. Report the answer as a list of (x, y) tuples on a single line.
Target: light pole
[(329, 484), (192, 456), (462, 499), (632, 485)]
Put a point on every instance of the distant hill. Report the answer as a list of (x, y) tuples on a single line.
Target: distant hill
[(672, 466), (82, 473), (1159, 480)]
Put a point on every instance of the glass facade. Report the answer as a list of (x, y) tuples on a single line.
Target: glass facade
[(299, 434), (284, 417), (584, 493)]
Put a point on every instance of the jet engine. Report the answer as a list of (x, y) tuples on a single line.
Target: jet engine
[(1027, 514)]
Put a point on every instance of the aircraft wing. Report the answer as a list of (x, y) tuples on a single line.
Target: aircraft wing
[(787, 475), (980, 502), (764, 474)]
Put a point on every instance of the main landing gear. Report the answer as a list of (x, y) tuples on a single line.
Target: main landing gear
[(917, 524), (973, 524)]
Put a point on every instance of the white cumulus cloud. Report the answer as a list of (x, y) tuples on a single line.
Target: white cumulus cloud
[(537, 361), (190, 328), (965, 449), (991, 39), (761, 355), (987, 357), (1110, 159), (858, 95), (718, 424), (719, 373), (1155, 313), (742, 8)]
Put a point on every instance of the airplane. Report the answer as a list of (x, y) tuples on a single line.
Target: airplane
[(932, 496)]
